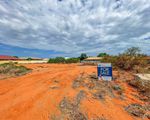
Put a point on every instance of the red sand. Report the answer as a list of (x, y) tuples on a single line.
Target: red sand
[(31, 97)]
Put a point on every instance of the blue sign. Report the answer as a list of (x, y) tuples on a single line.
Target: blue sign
[(104, 71)]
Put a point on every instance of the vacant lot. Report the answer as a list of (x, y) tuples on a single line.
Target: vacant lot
[(59, 92)]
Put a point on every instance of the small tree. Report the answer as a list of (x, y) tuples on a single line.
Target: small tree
[(131, 59), (133, 51), (83, 56), (102, 55)]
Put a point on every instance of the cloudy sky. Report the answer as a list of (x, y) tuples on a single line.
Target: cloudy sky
[(70, 27)]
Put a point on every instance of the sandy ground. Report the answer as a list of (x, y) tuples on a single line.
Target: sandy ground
[(36, 96)]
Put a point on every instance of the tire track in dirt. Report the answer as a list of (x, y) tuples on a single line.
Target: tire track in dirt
[(30, 90)]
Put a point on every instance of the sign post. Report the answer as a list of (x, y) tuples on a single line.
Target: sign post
[(104, 71)]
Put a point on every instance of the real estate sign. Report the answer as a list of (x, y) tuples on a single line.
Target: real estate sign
[(104, 71)]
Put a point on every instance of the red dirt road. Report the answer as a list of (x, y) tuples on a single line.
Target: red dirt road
[(36, 96)]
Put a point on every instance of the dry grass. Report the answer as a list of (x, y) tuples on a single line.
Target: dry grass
[(138, 110), (70, 109), (136, 64), (120, 90), (11, 70), (103, 89), (143, 86), (79, 81), (98, 89)]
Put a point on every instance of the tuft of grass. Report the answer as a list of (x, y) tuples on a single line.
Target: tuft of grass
[(98, 89), (100, 95), (79, 97), (143, 86), (79, 81), (137, 110), (71, 108), (120, 90), (11, 69)]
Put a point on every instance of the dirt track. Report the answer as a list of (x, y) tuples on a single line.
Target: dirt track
[(36, 96)]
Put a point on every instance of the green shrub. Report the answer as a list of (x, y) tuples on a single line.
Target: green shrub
[(63, 60), (102, 55), (72, 60), (60, 59), (51, 60), (57, 60)]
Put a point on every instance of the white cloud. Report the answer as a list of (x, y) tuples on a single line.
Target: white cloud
[(75, 25)]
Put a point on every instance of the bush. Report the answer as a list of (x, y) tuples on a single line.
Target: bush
[(63, 60), (72, 60), (102, 55), (110, 59), (126, 62), (129, 60), (60, 59), (57, 60), (51, 60)]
